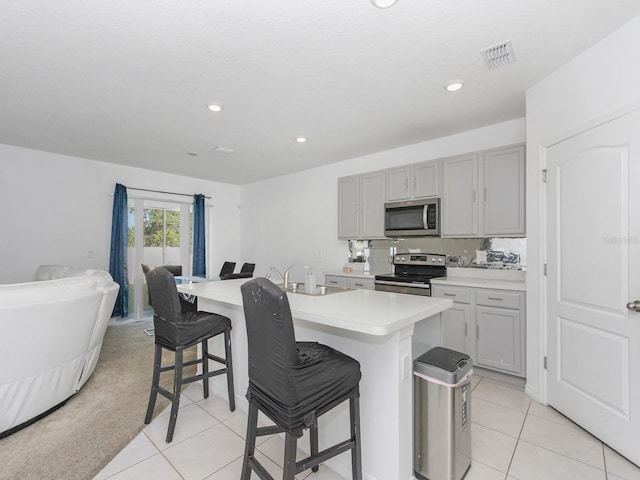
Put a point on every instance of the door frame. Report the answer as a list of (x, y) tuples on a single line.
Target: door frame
[(537, 347), (139, 203)]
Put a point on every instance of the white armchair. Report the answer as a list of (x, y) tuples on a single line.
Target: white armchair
[(51, 333)]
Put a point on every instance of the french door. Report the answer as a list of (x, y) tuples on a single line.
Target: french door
[(593, 248), (159, 234)]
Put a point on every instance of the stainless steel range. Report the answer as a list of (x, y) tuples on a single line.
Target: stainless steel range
[(413, 273)]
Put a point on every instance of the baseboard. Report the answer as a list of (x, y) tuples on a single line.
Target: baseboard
[(500, 377)]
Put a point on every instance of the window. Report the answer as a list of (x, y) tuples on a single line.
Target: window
[(160, 233)]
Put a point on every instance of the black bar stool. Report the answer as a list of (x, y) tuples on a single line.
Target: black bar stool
[(176, 330), (293, 383)]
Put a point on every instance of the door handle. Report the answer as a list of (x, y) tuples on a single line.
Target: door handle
[(634, 306)]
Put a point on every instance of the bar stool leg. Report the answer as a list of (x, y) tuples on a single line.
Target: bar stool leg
[(177, 386), (205, 368), (155, 381), (250, 443), (230, 389), (356, 453), (290, 448), (313, 441)]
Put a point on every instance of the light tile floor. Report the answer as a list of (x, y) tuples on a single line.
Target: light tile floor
[(513, 438)]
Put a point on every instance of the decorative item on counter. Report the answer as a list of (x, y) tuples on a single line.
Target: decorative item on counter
[(496, 256), (309, 281), (346, 269)]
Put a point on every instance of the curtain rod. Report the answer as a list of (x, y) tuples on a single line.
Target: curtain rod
[(161, 191)]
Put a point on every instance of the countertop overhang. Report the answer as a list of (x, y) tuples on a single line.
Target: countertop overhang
[(369, 312)]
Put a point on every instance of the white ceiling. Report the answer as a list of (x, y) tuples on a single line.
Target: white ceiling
[(128, 81)]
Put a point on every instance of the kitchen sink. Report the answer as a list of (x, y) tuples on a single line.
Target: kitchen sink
[(295, 287)]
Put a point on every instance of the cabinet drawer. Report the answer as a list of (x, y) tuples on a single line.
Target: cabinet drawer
[(497, 298), (335, 281), (364, 283), (457, 294)]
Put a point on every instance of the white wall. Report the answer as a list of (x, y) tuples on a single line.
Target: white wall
[(603, 80), (57, 209), (291, 219)]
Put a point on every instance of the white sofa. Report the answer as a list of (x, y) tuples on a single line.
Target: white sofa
[(51, 333)]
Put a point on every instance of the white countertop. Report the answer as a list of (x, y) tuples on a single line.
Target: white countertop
[(360, 274), (364, 311), (500, 284)]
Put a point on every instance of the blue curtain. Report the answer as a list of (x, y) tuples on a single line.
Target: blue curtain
[(118, 253), (199, 260)]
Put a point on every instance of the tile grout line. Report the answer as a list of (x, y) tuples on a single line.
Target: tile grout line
[(515, 448), (162, 452)]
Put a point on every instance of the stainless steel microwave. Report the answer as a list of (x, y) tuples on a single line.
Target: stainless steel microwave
[(413, 218)]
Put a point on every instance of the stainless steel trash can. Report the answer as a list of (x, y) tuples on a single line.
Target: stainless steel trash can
[(442, 415)]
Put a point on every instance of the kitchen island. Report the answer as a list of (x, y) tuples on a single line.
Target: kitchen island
[(384, 331)]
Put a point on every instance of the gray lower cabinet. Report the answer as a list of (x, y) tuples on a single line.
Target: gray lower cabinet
[(349, 282), (361, 283), (487, 324), (335, 280), (455, 327)]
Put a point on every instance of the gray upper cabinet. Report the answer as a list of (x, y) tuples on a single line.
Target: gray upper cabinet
[(398, 183), (504, 195), (361, 206), (420, 180), (348, 207), (460, 196), (483, 194)]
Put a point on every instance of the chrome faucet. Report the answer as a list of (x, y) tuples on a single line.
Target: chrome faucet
[(284, 277)]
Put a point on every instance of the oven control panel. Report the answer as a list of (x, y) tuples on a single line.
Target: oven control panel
[(419, 259)]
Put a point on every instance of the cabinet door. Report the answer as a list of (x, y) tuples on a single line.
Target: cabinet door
[(361, 283), (335, 280), (498, 342), (504, 195), (460, 196), (348, 207), (425, 180), (455, 293), (398, 183), (372, 205), (455, 327)]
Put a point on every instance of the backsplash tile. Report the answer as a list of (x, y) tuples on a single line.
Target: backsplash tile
[(500, 253)]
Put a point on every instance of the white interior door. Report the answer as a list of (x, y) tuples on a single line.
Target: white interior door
[(593, 222)]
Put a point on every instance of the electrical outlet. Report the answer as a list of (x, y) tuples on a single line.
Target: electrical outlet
[(92, 253), (320, 254)]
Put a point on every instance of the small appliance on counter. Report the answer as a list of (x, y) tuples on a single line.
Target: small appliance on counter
[(413, 273)]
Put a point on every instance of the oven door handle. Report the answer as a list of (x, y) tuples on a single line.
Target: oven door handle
[(403, 284)]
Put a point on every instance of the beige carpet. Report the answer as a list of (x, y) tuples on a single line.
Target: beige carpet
[(79, 439)]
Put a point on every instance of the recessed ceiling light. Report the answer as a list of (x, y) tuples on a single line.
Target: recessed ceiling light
[(192, 154), (454, 86), (214, 107), (301, 139), (384, 3), (225, 150)]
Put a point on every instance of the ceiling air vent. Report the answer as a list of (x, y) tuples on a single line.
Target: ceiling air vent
[(499, 55)]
